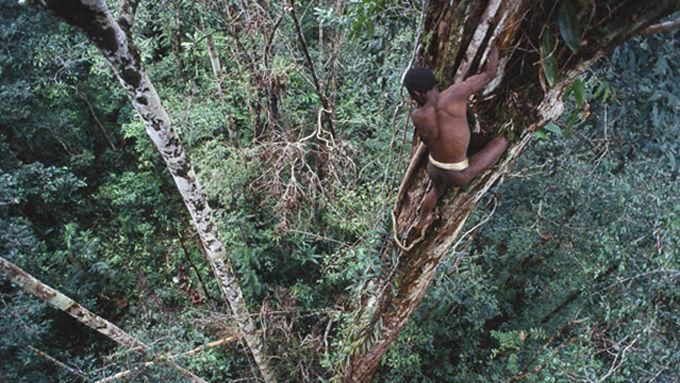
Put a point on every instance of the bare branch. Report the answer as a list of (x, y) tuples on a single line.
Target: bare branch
[(208, 345), (661, 27), (305, 50), (272, 34), (124, 373), (63, 365), (86, 317), (310, 64)]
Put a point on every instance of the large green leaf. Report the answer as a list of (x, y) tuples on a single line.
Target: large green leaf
[(569, 28), (549, 62), (579, 88), (553, 128)]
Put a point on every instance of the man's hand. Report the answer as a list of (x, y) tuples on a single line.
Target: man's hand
[(474, 84)]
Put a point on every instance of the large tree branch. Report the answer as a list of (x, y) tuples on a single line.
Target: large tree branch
[(86, 317), (661, 27)]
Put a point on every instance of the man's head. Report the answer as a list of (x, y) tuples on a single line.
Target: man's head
[(418, 81)]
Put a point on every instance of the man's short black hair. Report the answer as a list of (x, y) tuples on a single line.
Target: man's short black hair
[(419, 79)]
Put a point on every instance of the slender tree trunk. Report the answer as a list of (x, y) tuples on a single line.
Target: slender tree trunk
[(326, 110), (176, 42), (243, 28), (274, 88), (114, 42), (216, 66), (61, 302), (525, 95), (333, 62)]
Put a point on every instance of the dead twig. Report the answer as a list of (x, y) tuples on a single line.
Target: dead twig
[(73, 370)]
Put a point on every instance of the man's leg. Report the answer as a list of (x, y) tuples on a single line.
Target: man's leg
[(429, 203), (441, 179), (477, 142), (427, 211), (485, 158)]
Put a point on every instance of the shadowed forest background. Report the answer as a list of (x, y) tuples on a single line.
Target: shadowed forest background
[(567, 271)]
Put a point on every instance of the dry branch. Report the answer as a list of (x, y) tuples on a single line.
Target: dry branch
[(61, 364), (661, 27), (61, 302), (125, 373), (315, 78)]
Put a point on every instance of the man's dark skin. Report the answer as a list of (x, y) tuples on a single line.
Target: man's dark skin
[(441, 123)]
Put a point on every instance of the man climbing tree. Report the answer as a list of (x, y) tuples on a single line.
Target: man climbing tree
[(545, 46), (442, 125)]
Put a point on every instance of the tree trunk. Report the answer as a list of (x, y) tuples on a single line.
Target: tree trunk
[(60, 301), (176, 42), (326, 110), (114, 42), (525, 95), (217, 72), (215, 64)]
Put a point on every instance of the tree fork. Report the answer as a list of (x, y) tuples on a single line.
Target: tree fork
[(520, 105)]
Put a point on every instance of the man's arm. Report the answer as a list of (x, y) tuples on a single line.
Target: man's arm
[(473, 84)]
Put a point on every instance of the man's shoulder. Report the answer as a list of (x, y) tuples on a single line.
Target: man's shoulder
[(451, 102), (422, 112), (452, 94)]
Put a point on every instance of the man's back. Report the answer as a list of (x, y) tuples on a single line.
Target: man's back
[(443, 128), (442, 123)]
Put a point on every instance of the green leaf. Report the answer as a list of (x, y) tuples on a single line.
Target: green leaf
[(579, 88), (570, 122), (549, 62), (600, 89), (540, 135), (553, 128), (569, 28)]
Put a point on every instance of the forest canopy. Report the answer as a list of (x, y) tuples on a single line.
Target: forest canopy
[(211, 191)]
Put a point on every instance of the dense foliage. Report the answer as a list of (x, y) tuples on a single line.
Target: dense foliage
[(572, 274)]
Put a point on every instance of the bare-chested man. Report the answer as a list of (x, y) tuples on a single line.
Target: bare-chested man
[(441, 123)]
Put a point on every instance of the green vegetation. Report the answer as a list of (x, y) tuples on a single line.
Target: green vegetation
[(573, 276)]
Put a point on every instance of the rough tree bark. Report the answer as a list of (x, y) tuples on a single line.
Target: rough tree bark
[(113, 39), (524, 96), (61, 302)]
